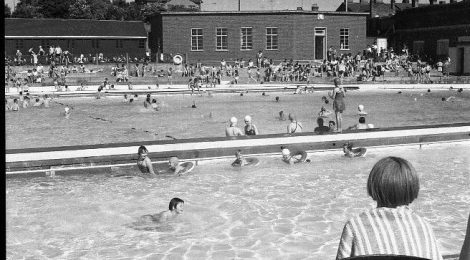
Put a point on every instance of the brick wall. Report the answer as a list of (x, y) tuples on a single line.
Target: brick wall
[(295, 34)]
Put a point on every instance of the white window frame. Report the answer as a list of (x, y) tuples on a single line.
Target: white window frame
[(221, 34), (274, 38), (247, 38), (197, 36), (344, 39)]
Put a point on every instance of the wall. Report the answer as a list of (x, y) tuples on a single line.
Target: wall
[(454, 57), (295, 34), (107, 47)]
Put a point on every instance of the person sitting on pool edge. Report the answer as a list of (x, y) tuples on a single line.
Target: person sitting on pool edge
[(143, 162), (175, 208), (233, 130), (240, 161), (391, 228)]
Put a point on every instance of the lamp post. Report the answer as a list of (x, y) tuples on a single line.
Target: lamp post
[(148, 29)]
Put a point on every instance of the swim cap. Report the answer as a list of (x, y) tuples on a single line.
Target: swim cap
[(248, 118), (360, 107), (233, 120), (285, 151), (67, 109)]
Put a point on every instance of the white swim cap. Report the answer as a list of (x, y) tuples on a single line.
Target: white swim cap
[(233, 120), (360, 107), (67, 109), (248, 118), (285, 151)]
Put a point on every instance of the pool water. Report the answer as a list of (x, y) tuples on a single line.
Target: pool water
[(109, 120), (272, 211)]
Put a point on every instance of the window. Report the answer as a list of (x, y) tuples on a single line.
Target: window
[(246, 38), (442, 48), (221, 39), (196, 40), (344, 39), (19, 44), (271, 38), (141, 43), (119, 44), (95, 44)]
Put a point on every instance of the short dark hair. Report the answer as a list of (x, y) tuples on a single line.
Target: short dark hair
[(320, 121), (393, 182), (142, 149), (362, 120), (174, 202)]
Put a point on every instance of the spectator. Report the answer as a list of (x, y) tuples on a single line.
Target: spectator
[(321, 129), (294, 126), (391, 228)]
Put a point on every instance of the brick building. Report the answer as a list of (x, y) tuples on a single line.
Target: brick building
[(76, 36), (298, 35)]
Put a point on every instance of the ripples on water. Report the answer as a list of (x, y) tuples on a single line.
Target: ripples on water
[(272, 211)]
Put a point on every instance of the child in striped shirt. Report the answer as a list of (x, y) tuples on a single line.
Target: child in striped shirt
[(392, 228)]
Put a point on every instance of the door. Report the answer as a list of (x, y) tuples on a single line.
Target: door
[(320, 43), (460, 61)]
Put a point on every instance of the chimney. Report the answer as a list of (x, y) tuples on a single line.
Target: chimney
[(432, 2), (414, 3), (314, 7), (442, 2), (406, 1), (364, 2)]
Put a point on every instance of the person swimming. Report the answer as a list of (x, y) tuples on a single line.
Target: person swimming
[(350, 152), (240, 161), (175, 208), (143, 162), (175, 166), (67, 112)]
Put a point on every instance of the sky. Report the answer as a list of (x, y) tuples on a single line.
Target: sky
[(216, 5)]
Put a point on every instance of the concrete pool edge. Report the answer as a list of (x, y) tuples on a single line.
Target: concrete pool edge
[(47, 160)]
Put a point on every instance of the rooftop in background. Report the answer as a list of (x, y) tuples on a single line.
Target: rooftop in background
[(15, 27)]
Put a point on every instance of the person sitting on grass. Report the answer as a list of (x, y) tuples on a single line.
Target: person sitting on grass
[(391, 228)]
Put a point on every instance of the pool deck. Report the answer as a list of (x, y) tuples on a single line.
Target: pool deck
[(268, 87), (68, 159)]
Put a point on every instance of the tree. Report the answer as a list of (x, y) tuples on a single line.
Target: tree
[(80, 10), (55, 8), (7, 11), (27, 9)]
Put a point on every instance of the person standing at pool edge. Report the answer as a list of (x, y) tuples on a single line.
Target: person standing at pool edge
[(391, 228), (143, 162), (338, 103)]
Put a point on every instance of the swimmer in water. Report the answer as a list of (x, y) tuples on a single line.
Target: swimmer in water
[(143, 162), (67, 112), (350, 152), (175, 208), (233, 130), (361, 111), (174, 165), (286, 157), (282, 116), (240, 161), (154, 104)]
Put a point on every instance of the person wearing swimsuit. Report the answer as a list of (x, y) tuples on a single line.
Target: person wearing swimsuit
[(144, 163), (250, 128), (294, 126), (338, 103), (233, 130)]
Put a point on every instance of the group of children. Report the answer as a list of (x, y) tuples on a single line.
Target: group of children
[(26, 101)]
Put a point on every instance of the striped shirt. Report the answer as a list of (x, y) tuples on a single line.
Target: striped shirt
[(388, 231)]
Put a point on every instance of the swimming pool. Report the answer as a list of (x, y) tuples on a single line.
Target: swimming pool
[(109, 120), (272, 211)]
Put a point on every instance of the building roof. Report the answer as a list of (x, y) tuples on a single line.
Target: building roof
[(380, 9), (72, 28), (185, 3)]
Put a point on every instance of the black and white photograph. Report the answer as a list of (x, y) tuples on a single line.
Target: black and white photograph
[(237, 129)]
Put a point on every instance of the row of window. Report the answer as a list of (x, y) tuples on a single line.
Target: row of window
[(70, 44), (246, 39)]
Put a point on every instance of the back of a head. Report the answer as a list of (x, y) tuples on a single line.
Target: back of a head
[(362, 120), (174, 202), (393, 182), (291, 117), (320, 121)]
